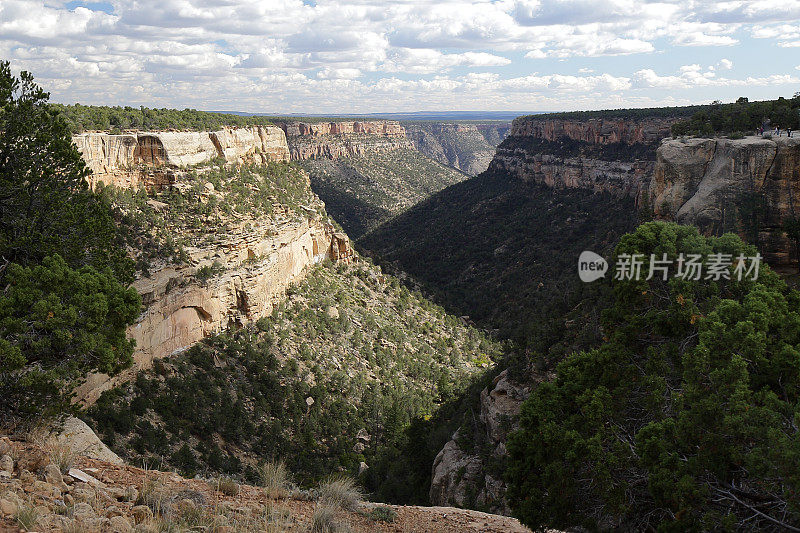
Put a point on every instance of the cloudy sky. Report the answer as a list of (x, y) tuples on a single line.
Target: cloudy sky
[(354, 56)]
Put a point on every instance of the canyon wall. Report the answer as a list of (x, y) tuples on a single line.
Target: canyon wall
[(257, 262), (468, 147), (749, 186), (334, 140), (646, 130), (133, 160), (604, 155)]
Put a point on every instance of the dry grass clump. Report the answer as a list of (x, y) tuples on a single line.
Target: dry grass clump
[(326, 520), (275, 479), (27, 517), (341, 492), (227, 486), (61, 455)]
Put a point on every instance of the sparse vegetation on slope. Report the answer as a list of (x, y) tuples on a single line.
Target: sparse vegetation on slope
[(504, 251), (159, 224), (331, 379), (361, 192)]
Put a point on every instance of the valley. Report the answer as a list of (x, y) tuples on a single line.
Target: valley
[(391, 310)]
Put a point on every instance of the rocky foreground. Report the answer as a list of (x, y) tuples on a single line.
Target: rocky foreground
[(45, 488)]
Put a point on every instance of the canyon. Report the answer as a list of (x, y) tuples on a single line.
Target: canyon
[(747, 186), (468, 147)]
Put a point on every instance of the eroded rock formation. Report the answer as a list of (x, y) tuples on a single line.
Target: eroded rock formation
[(333, 140), (648, 130), (257, 262), (620, 176), (750, 186), (150, 158), (462, 477)]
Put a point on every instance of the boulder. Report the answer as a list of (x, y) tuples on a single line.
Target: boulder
[(81, 440)]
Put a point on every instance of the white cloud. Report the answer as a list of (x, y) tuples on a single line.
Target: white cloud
[(426, 61), (691, 76), (357, 54)]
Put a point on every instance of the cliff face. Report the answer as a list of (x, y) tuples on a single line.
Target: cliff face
[(235, 266), (594, 131), (149, 159), (258, 262), (750, 186), (334, 140), (622, 175), (616, 156), (467, 147)]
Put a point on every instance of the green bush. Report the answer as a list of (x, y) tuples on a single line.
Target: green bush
[(683, 419), (64, 305)]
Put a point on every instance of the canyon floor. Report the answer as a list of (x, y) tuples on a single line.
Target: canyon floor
[(98, 496)]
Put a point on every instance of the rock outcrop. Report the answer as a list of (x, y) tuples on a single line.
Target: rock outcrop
[(610, 155), (618, 176), (79, 439), (647, 130), (750, 186), (464, 478), (258, 263), (334, 140), (467, 147), (149, 159), (315, 129)]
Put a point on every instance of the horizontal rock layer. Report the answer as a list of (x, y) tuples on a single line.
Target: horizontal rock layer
[(257, 263), (386, 128), (610, 155), (647, 130), (334, 140), (132, 160), (619, 177)]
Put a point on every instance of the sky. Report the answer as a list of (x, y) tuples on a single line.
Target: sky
[(368, 56)]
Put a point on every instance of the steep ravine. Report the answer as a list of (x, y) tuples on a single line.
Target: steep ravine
[(468, 147), (748, 186)]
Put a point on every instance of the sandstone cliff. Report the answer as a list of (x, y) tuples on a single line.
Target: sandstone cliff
[(334, 140), (612, 155), (647, 130), (257, 260), (133, 160), (465, 146), (750, 186)]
